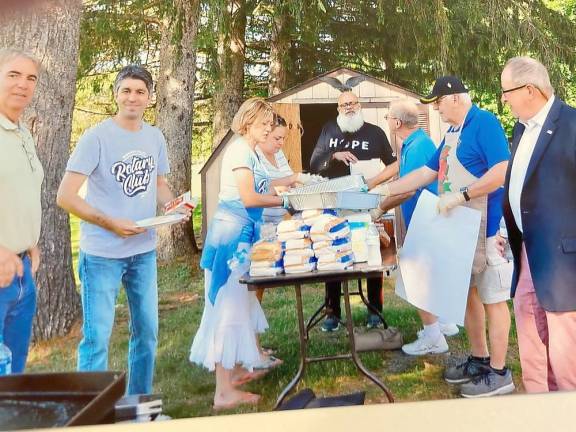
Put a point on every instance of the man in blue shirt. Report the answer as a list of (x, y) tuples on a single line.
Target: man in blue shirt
[(415, 151), (417, 148), (470, 166)]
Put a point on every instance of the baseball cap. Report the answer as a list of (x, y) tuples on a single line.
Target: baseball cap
[(444, 86)]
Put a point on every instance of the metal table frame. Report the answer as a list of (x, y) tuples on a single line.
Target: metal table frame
[(297, 280)]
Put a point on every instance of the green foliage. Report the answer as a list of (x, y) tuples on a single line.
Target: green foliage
[(115, 33), (407, 42)]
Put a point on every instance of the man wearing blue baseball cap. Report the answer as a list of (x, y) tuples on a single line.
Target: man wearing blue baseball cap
[(470, 166)]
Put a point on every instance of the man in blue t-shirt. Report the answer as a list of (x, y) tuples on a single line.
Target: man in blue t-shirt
[(124, 163), (415, 151), (470, 166)]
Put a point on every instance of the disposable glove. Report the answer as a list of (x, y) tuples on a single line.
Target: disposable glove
[(449, 200)]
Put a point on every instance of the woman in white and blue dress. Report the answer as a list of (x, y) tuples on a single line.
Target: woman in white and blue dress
[(226, 341)]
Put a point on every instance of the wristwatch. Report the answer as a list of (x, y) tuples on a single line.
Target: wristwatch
[(464, 192)]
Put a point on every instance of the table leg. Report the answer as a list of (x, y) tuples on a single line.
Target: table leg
[(303, 347), (355, 356), (316, 318)]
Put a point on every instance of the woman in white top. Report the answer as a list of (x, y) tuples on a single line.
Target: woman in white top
[(225, 341), (276, 164)]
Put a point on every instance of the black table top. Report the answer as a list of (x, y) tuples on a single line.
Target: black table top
[(358, 271)]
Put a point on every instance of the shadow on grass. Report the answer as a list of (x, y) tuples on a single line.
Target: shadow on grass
[(188, 389)]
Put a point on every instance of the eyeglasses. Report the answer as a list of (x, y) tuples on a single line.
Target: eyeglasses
[(525, 85), (348, 105), (389, 117), (514, 89)]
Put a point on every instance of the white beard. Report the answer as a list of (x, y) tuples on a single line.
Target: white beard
[(351, 123)]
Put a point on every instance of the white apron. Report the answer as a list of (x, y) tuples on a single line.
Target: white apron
[(452, 176), (490, 272)]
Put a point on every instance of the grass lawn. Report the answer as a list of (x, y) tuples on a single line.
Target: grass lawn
[(187, 389)]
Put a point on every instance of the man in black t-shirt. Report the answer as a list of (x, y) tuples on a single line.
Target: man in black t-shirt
[(343, 141)]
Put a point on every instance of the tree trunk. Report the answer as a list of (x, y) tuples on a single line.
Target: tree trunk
[(174, 110), (231, 50), (51, 31), (279, 50)]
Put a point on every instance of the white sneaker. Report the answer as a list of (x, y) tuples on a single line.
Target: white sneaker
[(449, 329), (424, 345)]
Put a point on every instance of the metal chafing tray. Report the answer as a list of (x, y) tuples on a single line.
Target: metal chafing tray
[(59, 399), (334, 200), (348, 192)]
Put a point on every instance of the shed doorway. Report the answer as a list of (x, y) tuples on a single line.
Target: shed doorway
[(313, 117)]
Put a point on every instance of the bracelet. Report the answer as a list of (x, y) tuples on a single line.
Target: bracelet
[(285, 202)]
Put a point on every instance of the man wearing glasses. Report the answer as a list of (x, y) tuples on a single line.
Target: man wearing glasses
[(343, 141), (470, 167), (540, 215), (21, 178), (416, 150)]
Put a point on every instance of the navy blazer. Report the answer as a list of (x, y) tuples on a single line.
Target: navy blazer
[(548, 207)]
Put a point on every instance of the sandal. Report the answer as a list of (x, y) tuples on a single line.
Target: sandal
[(268, 351), (268, 363)]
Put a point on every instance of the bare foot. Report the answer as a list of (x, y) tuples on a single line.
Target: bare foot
[(234, 399), (241, 376)]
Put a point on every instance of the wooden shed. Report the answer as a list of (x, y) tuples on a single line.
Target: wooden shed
[(306, 108)]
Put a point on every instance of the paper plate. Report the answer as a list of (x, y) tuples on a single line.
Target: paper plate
[(160, 220)]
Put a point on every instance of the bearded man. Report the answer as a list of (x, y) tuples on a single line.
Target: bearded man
[(343, 141)]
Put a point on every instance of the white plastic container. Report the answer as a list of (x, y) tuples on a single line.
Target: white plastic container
[(359, 223), (373, 242)]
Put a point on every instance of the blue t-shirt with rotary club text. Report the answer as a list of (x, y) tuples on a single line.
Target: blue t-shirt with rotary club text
[(122, 168)]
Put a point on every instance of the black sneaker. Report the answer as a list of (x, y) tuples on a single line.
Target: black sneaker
[(330, 324), (373, 321), (466, 371)]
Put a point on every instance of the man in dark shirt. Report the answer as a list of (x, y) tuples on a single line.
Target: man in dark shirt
[(343, 141)]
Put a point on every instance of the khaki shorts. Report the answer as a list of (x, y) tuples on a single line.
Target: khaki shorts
[(493, 284)]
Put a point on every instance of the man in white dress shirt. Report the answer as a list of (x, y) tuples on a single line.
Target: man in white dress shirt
[(540, 213)]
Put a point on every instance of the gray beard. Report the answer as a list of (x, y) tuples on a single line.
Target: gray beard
[(350, 124)]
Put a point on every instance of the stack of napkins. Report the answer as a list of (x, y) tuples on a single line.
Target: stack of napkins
[(330, 237), (312, 216), (266, 258), (298, 253)]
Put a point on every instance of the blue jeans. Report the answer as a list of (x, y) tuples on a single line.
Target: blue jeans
[(100, 278), (17, 310)]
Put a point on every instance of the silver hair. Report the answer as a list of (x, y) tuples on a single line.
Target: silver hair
[(526, 70), (465, 98), (9, 54), (406, 111)]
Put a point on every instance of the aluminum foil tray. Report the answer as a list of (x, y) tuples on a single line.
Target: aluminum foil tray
[(352, 183), (334, 200)]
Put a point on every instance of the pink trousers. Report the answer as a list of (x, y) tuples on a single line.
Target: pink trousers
[(546, 340)]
